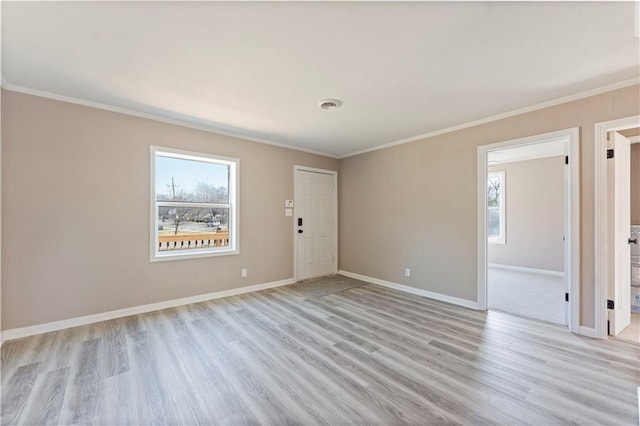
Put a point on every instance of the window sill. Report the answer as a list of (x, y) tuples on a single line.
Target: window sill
[(496, 241), (155, 257)]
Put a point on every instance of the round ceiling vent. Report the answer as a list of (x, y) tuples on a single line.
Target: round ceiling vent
[(329, 104)]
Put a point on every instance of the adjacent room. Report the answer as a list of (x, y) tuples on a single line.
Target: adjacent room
[(527, 203), (319, 213)]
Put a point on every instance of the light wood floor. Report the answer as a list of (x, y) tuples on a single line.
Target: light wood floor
[(330, 351)]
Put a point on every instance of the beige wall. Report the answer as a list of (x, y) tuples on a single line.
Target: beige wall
[(415, 205), (635, 183), (534, 210), (75, 220)]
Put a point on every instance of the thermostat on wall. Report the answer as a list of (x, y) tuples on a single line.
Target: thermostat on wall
[(288, 203)]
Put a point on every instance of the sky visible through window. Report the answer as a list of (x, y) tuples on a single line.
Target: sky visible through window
[(187, 174)]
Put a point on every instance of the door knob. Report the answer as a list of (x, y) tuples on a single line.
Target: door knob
[(300, 231), (634, 241)]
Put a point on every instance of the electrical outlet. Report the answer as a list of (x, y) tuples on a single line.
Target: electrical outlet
[(244, 272), (407, 272)]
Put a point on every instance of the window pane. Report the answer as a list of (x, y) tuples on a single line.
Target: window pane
[(494, 190), (184, 228), (183, 180), (493, 222)]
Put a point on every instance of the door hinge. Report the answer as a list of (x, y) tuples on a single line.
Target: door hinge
[(566, 297), (611, 304), (609, 153), (566, 159)]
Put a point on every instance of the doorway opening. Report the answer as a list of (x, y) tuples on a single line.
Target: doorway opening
[(528, 222), (617, 229), (315, 214)]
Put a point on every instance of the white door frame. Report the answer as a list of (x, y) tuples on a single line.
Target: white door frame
[(295, 215), (572, 216), (600, 225)]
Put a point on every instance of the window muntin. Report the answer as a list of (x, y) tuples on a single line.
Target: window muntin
[(496, 207), (194, 208)]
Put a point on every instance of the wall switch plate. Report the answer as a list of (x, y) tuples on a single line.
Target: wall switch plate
[(244, 272), (288, 212), (407, 272), (288, 203)]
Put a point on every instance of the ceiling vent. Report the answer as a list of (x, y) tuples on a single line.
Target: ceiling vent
[(329, 104)]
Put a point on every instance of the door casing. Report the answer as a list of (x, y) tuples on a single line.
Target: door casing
[(572, 216)]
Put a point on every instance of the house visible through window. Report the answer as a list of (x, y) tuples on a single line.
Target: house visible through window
[(495, 212), (194, 211)]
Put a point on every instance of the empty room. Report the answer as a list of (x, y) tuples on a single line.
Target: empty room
[(526, 198), (319, 213)]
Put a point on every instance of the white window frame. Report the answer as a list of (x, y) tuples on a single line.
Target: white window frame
[(234, 234), (501, 239)]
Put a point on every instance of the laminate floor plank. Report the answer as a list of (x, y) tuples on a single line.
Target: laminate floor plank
[(16, 392), (328, 351), (45, 403), (116, 356), (118, 405), (151, 401)]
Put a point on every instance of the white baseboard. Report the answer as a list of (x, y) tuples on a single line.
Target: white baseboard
[(407, 289), (587, 331), (523, 269), (18, 333)]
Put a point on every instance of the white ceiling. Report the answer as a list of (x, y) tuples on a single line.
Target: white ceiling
[(545, 149), (402, 69)]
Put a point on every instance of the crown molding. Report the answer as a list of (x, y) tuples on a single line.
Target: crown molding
[(155, 117), (547, 104), (212, 129)]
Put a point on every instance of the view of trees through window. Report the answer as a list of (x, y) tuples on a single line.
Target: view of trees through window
[(192, 197), (185, 219), (494, 203)]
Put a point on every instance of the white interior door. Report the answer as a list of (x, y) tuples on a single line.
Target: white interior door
[(315, 224), (619, 213)]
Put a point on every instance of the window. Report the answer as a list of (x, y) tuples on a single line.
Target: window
[(194, 210), (495, 208)]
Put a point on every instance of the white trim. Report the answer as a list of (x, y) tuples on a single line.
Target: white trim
[(527, 157), (524, 269), (483, 171), (587, 331), (18, 333), (233, 205), (634, 139), (636, 32), (600, 223), (572, 216), (554, 102), (407, 289), (201, 125), (572, 240), (334, 173)]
